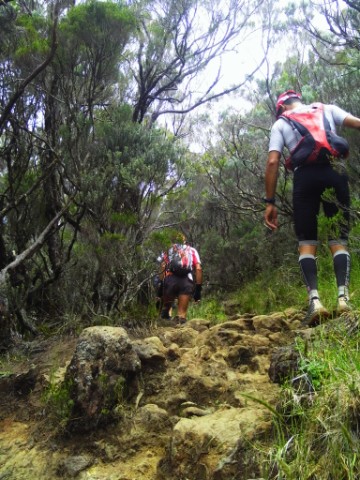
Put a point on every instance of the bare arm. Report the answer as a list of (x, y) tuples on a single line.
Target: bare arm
[(352, 122), (271, 173), (198, 274), (271, 176), (162, 270)]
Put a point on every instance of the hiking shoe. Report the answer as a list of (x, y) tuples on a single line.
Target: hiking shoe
[(179, 320), (315, 313), (343, 305), (165, 314)]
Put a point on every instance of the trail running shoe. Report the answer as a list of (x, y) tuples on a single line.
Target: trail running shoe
[(315, 313), (343, 305), (179, 320), (165, 315)]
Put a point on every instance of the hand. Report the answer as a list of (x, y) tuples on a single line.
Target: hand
[(271, 218), (197, 293)]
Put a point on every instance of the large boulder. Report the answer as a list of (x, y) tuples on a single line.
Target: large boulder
[(99, 376)]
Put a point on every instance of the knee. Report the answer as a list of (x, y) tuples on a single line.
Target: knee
[(338, 246), (308, 247)]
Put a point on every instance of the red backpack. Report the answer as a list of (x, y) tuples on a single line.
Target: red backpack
[(318, 144)]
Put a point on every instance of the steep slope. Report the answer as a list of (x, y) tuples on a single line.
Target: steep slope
[(193, 416)]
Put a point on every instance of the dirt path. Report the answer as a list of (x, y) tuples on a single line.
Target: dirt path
[(208, 371)]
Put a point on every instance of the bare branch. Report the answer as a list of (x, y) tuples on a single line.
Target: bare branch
[(179, 49), (19, 259)]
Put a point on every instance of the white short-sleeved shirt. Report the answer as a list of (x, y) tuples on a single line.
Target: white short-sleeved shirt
[(283, 135)]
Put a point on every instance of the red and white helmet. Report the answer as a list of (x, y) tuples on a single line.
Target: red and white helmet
[(282, 99)]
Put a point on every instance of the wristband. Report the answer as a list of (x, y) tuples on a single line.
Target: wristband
[(269, 200)]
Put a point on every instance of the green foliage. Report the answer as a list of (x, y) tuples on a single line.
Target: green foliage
[(113, 396), (162, 239), (125, 218), (28, 42), (318, 432), (316, 370), (273, 291), (91, 21), (58, 401), (211, 308), (92, 40), (109, 238)]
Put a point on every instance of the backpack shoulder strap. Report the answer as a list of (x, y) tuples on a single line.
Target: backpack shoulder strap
[(321, 108), (294, 124), (315, 110)]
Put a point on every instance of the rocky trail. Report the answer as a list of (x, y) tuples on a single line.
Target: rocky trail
[(190, 412)]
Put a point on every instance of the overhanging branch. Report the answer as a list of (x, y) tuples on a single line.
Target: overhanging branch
[(19, 259)]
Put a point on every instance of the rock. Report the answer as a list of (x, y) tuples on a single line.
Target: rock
[(194, 412), (240, 355), (20, 384), (174, 401), (151, 418), (199, 324), (199, 444), (283, 364), (173, 352), (267, 324), (229, 336), (241, 323), (184, 336), (151, 351), (72, 466), (99, 374)]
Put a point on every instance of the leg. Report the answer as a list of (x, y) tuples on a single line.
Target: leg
[(338, 238), (308, 269), (166, 310), (169, 297), (183, 304), (306, 202), (341, 261), (342, 265), (186, 290), (307, 261)]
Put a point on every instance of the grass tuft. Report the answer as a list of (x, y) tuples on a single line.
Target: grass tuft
[(318, 433)]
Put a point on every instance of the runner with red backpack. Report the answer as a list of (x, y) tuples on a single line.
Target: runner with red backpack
[(181, 278), (316, 158)]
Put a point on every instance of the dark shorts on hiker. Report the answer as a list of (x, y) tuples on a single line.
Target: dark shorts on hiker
[(175, 286), (317, 185)]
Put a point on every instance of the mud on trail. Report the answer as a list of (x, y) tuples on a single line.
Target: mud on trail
[(192, 415)]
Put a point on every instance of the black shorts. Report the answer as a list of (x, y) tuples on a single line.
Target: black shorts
[(310, 183), (175, 286)]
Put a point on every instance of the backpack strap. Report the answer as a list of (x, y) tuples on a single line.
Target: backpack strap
[(297, 126)]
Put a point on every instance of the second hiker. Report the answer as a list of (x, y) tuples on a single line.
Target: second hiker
[(181, 275), (316, 170)]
